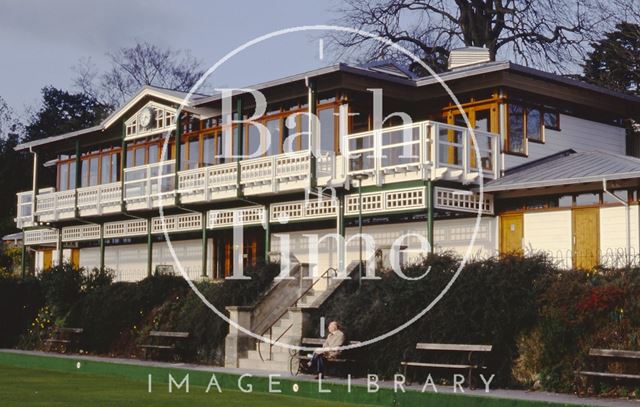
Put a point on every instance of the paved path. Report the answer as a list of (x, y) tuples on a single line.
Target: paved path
[(500, 393)]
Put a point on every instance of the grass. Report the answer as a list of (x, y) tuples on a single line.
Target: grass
[(35, 380), (37, 387)]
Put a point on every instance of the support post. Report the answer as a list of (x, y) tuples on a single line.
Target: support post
[(429, 192), (23, 265), (239, 146), (123, 165), (178, 154), (102, 247), (205, 244), (314, 141), (267, 234), (78, 178), (34, 186), (60, 249), (149, 249)]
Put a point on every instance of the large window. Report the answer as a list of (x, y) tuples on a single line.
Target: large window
[(327, 129), (98, 167), (527, 123)]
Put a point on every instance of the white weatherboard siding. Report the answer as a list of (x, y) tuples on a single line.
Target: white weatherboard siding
[(575, 133), (449, 235), (613, 234), (130, 261), (549, 232)]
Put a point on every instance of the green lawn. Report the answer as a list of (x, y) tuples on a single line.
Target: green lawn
[(37, 387), (35, 380)]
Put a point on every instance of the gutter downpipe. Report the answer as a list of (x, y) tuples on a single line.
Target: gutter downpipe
[(628, 216)]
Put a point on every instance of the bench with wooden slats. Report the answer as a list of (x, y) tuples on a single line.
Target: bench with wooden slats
[(296, 363), (66, 337), (470, 349), (612, 354), (165, 341)]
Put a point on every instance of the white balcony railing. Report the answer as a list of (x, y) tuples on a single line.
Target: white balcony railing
[(24, 213), (429, 149), (146, 184), (56, 205), (423, 150), (100, 198)]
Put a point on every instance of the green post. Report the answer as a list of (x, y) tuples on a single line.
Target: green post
[(123, 165), (205, 245), (23, 266), (78, 177), (178, 154), (102, 247), (149, 249), (314, 137), (267, 234), (341, 225), (60, 249), (239, 145), (429, 192)]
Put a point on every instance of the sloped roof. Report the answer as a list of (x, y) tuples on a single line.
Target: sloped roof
[(567, 167)]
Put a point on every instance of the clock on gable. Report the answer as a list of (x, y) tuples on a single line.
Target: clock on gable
[(145, 117)]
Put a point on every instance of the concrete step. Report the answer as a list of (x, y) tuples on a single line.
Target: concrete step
[(271, 365), (278, 354)]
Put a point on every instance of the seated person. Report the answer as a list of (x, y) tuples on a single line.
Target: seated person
[(335, 339)]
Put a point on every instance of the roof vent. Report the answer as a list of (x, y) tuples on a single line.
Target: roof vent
[(468, 56)]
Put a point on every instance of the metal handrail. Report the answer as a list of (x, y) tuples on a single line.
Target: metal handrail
[(294, 304)]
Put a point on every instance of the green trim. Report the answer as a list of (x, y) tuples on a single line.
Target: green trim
[(23, 254), (307, 389), (205, 245), (392, 186), (178, 137), (59, 248), (123, 165), (149, 249), (429, 199), (239, 146), (78, 176), (313, 110), (102, 247), (267, 234)]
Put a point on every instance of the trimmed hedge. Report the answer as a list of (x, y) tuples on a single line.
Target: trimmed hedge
[(490, 303)]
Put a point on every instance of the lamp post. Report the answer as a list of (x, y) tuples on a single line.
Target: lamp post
[(360, 177)]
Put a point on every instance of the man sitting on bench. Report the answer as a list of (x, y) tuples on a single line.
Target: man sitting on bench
[(335, 339)]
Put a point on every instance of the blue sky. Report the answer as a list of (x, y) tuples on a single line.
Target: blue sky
[(40, 41)]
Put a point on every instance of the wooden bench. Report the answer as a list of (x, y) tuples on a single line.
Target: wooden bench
[(162, 341), (611, 355), (469, 365), (67, 339), (298, 362)]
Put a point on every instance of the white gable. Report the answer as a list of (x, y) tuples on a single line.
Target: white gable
[(160, 118)]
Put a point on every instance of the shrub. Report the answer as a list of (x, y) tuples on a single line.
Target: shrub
[(62, 287), (490, 303), (20, 301), (110, 312), (97, 278)]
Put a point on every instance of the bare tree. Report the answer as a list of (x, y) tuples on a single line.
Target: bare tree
[(134, 67), (549, 33)]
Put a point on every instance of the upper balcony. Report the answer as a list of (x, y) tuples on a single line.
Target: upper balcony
[(419, 151)]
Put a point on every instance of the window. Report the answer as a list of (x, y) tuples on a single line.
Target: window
[(138, 156), (253, 148), (551, 119), (63, 177), (274, 129), (327, 132), (534, 124), (153, 154), (587, 199), (72, 174), (516, 142), (193, 153), (105, 174), (209, 149)]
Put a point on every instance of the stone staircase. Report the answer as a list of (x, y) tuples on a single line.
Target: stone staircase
[(284, 317)]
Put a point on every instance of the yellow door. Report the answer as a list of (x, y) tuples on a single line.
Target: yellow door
[(586, 242), (47, 259), (75, 258), (511, 233)]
